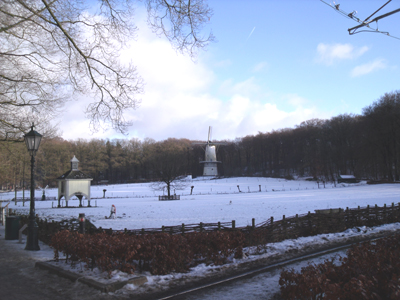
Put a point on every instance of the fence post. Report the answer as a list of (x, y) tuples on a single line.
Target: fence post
[(219, 225), (233, 224), (272, 229), (253, 223), (284, 225), (384, 213), (393, 217), (162, 229), (183, 228)]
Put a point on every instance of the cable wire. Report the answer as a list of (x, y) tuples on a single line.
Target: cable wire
[(364, 23)]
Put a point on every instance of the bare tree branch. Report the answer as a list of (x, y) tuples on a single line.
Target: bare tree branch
[(52, 50), (181, 21)]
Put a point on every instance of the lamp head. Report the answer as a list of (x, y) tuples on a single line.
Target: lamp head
[(32, 141)]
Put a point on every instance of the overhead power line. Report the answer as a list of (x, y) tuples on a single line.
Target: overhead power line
[(364, 25)]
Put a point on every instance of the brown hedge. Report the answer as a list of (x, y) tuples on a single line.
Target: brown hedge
[(160, 253), (371, 270)]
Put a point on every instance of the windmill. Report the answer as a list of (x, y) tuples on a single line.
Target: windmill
[(210, 157)]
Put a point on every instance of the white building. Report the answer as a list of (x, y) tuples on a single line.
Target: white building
[(74, 183)]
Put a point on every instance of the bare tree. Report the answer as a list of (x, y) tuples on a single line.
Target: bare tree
[(168, 163), (181, 22), (51, 50)]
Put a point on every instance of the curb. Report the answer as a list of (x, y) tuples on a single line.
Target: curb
[(103, 287)]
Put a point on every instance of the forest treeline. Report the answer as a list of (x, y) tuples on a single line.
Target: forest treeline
[(365, 145)]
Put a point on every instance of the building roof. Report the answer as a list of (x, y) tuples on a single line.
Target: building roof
[(347, 176), (74, 159), (74, 174)]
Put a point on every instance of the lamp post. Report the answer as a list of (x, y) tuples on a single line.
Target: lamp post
[(32, 140)]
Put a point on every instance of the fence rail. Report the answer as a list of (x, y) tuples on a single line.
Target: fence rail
[(171, 197), (266, 232), (19, 199)]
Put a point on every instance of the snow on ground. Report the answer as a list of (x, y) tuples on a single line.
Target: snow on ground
[(213, 201)]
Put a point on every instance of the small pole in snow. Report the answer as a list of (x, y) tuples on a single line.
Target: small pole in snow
[(82, 223)]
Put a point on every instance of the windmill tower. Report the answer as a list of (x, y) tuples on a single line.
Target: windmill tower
[(210, 157)]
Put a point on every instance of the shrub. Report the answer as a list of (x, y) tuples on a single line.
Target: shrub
[(160, 253), (371, 270)]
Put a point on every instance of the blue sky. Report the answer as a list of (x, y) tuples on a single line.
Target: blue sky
[(274, 65)]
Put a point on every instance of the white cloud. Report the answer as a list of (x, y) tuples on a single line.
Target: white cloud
[(177, 102), (248, 87), (260, 67), (370, 67), (244, 117), (328, 54), (295, 99), (223, 63)]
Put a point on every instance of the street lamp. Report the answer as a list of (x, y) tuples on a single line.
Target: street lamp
[(32, 140)]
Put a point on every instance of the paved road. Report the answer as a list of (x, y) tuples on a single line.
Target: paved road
[(20, 280)]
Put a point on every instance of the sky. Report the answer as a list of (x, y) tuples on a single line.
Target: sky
[(274, 64)]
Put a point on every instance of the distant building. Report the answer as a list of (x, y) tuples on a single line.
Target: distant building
[(74, 183), (210, 156), (210, 162), (347, 179)]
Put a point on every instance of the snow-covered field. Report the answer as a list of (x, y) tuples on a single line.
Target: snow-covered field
[(213, 201)]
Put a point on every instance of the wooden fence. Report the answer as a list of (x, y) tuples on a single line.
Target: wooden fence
[(171, 197), (309, 224)]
